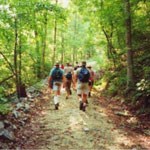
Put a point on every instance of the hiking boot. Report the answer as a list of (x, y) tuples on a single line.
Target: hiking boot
[(84, 107), (56, 106), (81, 105), (87, 103), (89, 94), (70, 92)]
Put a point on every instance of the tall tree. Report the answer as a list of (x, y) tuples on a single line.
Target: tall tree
[(130, 77), (55, 36)]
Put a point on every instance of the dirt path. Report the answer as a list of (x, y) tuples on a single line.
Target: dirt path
[(70, 128)]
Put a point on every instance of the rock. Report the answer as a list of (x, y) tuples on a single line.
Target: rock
[(132, 120), (7, 123), (14, 127), (1, 132), (147, 132), (31, 99), (16, 114), (7, 134), (30, 96), (86, 129), (27, 107), (22, 122), (19, 106), (3, 146), (18, 148), (1, 125), (23, 98), (124, 113), (31, 89)]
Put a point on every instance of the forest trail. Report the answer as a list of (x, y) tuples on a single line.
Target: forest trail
[(70, 128)]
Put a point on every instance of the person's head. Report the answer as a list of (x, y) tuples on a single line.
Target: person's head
[(89, 67), (83, 63), (67, 63), (57, 64)]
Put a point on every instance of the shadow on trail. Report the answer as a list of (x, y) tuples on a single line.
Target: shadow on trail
[(71, 128)]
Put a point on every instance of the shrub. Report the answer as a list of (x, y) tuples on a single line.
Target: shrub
[(143, 88), (5, 109)]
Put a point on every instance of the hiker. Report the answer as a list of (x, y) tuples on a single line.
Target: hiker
[(68, 75), (74, 77), (82, 77), (56, 77), (50, 83), (62, 66), (91, 80)]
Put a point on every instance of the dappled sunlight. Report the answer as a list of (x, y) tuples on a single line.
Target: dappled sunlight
[(48, 107), (77, 122)]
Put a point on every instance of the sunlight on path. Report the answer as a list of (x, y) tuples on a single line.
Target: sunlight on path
[(70, 128)]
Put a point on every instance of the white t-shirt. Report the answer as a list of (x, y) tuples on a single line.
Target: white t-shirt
[(68, 69)]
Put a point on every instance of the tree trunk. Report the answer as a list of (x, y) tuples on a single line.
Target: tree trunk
[(74, 50), (110, 48), (55, 37), (15, 58), (44, 45), (130, 78), (62, 46), (21, 86), (37, 49)]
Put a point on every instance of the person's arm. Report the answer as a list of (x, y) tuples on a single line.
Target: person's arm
[(63, 78), (76, 75), (49, 81), (50, 78)]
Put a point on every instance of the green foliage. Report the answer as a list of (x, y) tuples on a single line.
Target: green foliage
[(116, 81), (2, 89), (112, 89), (90, 30), (5, 109), (143, 88)]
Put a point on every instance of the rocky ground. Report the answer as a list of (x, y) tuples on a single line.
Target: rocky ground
[(105, 125)]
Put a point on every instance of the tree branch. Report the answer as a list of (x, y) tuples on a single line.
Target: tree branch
[(9, 64), (6, 79)]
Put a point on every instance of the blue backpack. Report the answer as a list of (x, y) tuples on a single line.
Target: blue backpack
[(84, 75), (69, 76), (57, 75)]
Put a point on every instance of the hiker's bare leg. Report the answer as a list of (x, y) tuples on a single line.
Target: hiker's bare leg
[(84, 98), (79, 97)]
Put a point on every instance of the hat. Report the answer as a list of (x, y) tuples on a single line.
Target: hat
[(89, 66), (84, 63), (57, 64)]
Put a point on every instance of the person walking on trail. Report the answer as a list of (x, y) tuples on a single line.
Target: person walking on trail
[(74, 77), (91, 80), (50, 84), (82, 77), (68, 70), (56, 77)]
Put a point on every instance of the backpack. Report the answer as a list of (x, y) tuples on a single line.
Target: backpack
[(84, 75), (57, 74), (69, 76)]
